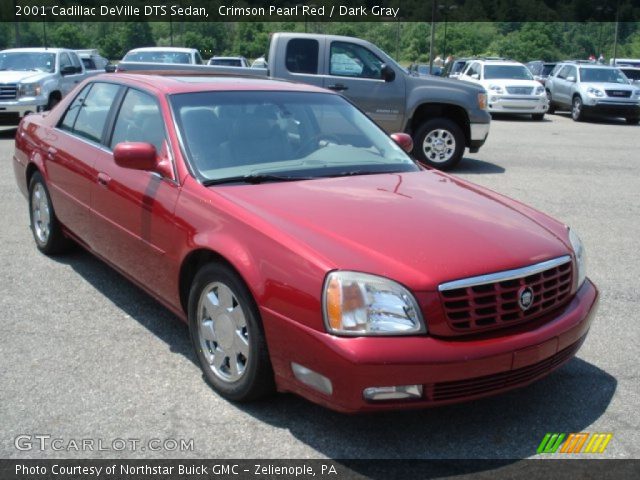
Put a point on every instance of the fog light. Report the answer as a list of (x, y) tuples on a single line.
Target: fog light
[(392, 393), (494, 99), (312, 379)]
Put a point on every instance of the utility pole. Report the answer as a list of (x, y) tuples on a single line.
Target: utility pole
[(16, 24)]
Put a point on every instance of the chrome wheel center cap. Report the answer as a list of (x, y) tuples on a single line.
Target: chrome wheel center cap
[(224, 330), (438, 145)]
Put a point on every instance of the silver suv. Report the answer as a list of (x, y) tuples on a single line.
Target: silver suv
[(593, 89)]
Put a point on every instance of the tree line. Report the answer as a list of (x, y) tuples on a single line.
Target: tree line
[(407, 42)]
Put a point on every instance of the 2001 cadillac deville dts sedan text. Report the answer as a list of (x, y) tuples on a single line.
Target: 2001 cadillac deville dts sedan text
[(306, 250)]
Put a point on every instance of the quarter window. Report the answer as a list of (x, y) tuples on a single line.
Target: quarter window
[(350, 60), (302, 56)]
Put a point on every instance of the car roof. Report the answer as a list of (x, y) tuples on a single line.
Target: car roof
[(178, 82), (37, 50), (500, 62), (163, 49), (215, 57)]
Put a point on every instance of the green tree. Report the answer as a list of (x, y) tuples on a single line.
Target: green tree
[(68, 35)]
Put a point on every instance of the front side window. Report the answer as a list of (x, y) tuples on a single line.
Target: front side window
[(351, 60), (65, 61), (93, 110), (302, 56), (139, 120), (507, 72), (231, 135)]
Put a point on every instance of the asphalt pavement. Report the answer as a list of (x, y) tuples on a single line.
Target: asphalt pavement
[(85, 355)]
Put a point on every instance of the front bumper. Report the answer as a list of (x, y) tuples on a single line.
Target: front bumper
[(612, 108), (11, 112), (479, 133), (532, 104), (449, 370)]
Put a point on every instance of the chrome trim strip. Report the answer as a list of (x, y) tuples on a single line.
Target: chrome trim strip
[(505, 275)]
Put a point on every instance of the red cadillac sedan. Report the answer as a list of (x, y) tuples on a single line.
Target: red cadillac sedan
[(306, 250)]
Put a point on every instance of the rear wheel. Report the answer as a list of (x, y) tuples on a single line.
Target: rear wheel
[(439, 143), (552, 108), (227, 334), (577, 110), (633, 121), (45, 227)]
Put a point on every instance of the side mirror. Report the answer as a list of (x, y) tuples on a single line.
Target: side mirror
[(110, 68), (136, 156), (403, 140), (475, 76), (68, 70), (388, 73), (571, 79)]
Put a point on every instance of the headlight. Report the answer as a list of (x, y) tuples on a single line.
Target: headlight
[(496, 89), (29, 89), (578, 250), (594, 92), (636, 93), (540, 90), (482, 101), (361, 304)]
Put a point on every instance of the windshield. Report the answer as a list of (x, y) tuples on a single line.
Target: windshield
[(28, 61), (293, 134), (510, 72), (158, 57), (602, 75)]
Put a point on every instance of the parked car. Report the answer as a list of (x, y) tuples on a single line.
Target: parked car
[(162, 55), (593, 89), (280, 222), (541, 70), (632, 73), (94, 62), (510, 87), (259, 62), (229, 61), (423, 70), (455, 68), (443, 117), (35, 79), (629, 62)]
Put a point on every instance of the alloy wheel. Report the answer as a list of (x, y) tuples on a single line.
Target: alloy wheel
[(41, 214), (439, 146)]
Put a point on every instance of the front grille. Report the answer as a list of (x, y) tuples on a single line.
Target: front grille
[(520, 90), (492, 301), (619, 93), (499, 381), (8, 91)]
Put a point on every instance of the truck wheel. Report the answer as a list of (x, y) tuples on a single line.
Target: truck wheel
[(227, 334), (439, 143), (577, 112), (45, 227), (633, 121)]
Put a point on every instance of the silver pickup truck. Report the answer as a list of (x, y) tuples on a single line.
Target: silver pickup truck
[(35, 79), (443, 116)]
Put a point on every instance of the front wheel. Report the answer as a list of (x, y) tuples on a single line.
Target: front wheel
[(552, 108), (227, 335), (538, 117), (439, 143), (577, 110), (45, 227)]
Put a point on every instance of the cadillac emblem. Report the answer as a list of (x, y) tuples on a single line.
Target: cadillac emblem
[(525, 298)]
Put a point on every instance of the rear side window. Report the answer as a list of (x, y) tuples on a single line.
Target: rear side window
[(71, 114), (139, 120), (302, 56), (93, 112)]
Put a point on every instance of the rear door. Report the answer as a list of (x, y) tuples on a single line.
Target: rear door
[(134, 221), (356, 72)]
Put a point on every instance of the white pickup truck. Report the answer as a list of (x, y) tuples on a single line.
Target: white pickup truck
[(35, 79)]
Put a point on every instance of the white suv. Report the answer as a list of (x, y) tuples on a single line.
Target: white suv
[(510, 87)]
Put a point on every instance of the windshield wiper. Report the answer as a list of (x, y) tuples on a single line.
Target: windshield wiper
[(254, 178), (353, 173)]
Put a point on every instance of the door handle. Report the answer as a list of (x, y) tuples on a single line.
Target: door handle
[(103, 179), (338, 87), (51, 152)]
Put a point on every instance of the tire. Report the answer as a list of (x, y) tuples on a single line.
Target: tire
[(577, 111), (227, 335), (54, 99), (538, 117), (552, 108), (439, 143), (45, 227), (633, 121)]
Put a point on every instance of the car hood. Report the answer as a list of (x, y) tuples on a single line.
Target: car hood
[(419, 228), (12, 76), (505, 82)]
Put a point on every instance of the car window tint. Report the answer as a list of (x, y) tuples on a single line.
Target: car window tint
[(71, 114), (139, 120), (351, 60), (94, 111), (302, 56)]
